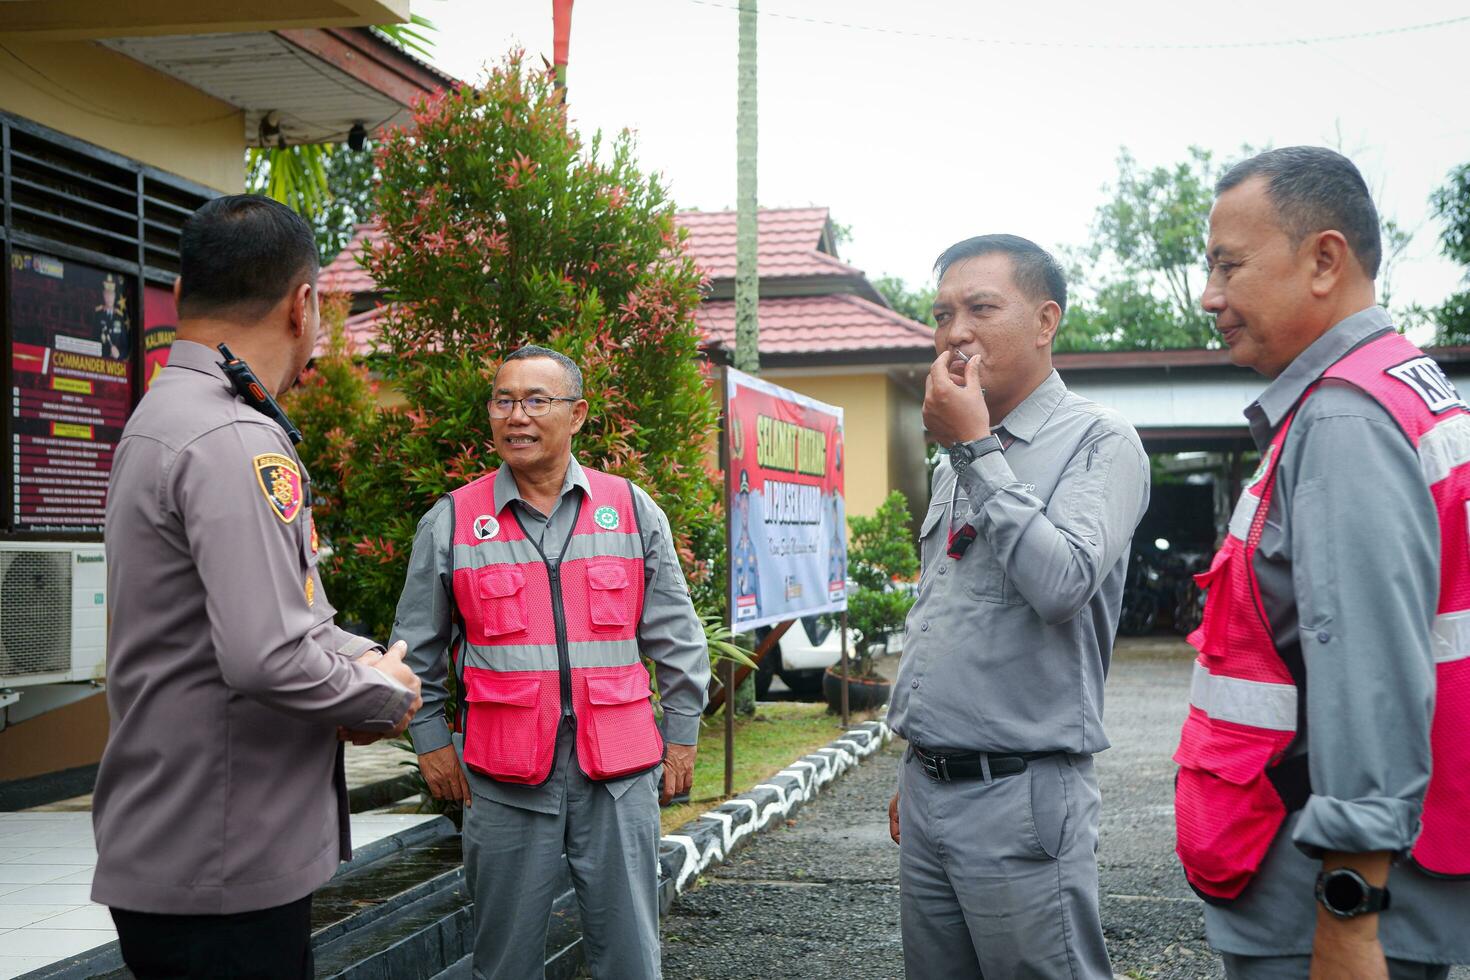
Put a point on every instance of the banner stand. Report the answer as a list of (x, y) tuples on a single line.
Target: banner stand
[(845, 722)]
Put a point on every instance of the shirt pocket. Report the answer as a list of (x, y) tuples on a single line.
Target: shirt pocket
[(983, 575), (502, 593), (610, 597), (931, 544)]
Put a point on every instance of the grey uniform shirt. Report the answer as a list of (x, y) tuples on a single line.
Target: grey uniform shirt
[(221, 789), (1349, 576), (1007, 648), (670, 633)]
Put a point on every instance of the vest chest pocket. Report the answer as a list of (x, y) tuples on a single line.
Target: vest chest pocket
[(502, 593), (610, 595)]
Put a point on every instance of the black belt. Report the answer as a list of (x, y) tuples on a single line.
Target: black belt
[(944, 765)]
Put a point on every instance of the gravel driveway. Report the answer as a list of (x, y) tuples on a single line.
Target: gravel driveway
[(819, 898)]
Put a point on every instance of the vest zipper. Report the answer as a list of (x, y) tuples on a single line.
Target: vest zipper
[(563, 653)]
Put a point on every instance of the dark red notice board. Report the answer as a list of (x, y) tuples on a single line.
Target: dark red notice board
[(73, 331)]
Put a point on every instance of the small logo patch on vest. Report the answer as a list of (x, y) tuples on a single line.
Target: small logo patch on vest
[(1261, 469), (606, 518), (310, 592), (280, 481), (486, 527), (1427, 380)]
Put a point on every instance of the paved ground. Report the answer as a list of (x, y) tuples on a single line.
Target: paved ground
[(819, 900)]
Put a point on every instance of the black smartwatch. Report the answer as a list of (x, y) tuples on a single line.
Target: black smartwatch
[(962, 454), (1346, 894)]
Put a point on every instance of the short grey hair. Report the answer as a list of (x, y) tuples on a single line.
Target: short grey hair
[(568, 366), (1316, 189)]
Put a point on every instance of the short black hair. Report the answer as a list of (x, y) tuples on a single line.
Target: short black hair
[(1316, 189), (239, 255), (1036, 272), (569, 366)]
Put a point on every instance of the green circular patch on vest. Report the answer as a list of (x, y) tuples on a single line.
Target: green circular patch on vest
[(606, 518)]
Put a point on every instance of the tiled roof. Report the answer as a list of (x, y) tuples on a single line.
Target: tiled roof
[(839, 322), (790, 239), (343, 274), (788, 243)]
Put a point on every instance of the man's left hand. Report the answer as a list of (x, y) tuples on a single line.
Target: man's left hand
[(955, 413), (678, 770)]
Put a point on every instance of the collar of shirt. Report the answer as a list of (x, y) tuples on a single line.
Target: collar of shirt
[(1027, 418), (197, 357), (506, 490), (1281, 395)]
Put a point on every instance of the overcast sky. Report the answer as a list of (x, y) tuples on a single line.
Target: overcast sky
[(926, 121)]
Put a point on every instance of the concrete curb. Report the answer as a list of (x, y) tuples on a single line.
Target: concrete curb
[(711, 838)]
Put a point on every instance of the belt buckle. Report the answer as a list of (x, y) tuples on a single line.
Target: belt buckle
[(936, 767)]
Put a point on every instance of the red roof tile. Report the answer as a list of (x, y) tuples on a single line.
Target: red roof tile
[(343, 274), (818, 324), (788, 240)]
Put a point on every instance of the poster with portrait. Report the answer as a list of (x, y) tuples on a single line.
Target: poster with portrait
[(71, 356), (784, 498)]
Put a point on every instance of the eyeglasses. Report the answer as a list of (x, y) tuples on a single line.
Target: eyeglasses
[(533, 405)]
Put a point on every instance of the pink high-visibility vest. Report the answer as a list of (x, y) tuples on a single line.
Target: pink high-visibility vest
[(548, 637), (1233, 793)]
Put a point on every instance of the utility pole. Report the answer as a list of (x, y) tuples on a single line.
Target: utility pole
[(747, 283)]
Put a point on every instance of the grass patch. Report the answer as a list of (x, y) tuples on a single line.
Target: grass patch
[(764, 745)]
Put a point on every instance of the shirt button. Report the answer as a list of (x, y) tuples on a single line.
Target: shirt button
[(924, 627), (1323, 636), (943, 569), (915, 685)]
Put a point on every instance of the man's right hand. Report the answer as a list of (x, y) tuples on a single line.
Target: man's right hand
[(391, 665), (893, 818), (443, 774)]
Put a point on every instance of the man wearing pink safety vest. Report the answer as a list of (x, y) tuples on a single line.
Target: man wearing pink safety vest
[(1323, 794), (543, 585)]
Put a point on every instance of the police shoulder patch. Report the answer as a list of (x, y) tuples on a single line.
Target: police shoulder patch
[(280, 481), (606, 518)]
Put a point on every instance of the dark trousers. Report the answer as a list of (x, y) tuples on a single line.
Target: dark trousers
[(267, 944)]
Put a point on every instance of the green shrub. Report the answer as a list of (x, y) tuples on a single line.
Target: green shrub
[(501, 228), (880, 558)]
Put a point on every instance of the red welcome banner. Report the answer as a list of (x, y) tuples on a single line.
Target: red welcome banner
[(784, 498)]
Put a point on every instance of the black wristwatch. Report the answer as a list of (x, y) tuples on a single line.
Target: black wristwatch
[(1346, 894), (962, 454)]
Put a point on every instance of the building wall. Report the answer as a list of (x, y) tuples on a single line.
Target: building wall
[(95, 94), (908, 458), (57, 740)]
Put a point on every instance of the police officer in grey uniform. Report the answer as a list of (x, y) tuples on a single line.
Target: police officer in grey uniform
[(999, 692), (220, 802), (519, 838)]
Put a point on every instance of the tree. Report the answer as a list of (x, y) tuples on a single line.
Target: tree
[(501, 227), (343, 200), (916, 303), (881, 553), (1451, 204)]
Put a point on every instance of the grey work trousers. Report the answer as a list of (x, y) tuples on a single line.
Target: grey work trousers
[(513, 858), (998, 877), (1298, 968)]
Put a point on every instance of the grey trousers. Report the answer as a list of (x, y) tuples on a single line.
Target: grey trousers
[(998, 878), (512, 862), (1298, 967)]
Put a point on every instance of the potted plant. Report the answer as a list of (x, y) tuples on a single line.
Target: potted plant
[(881, 560)]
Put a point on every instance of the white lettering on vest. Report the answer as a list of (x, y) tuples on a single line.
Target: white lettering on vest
[(1428, 381)]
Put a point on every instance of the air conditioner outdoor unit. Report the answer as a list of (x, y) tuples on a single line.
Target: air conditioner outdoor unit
[(53, 613)]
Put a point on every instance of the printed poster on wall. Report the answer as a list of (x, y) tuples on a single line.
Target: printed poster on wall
[(71, 387), (160, 327), (784, 498)]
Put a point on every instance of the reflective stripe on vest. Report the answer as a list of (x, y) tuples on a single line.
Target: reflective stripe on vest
[(1244, 702), (554, 634)]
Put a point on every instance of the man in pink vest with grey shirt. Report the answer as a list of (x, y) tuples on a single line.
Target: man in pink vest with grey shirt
[(543, 585), (1323, 794)]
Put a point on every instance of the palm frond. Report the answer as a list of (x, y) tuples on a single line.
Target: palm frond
[(413, 36)]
